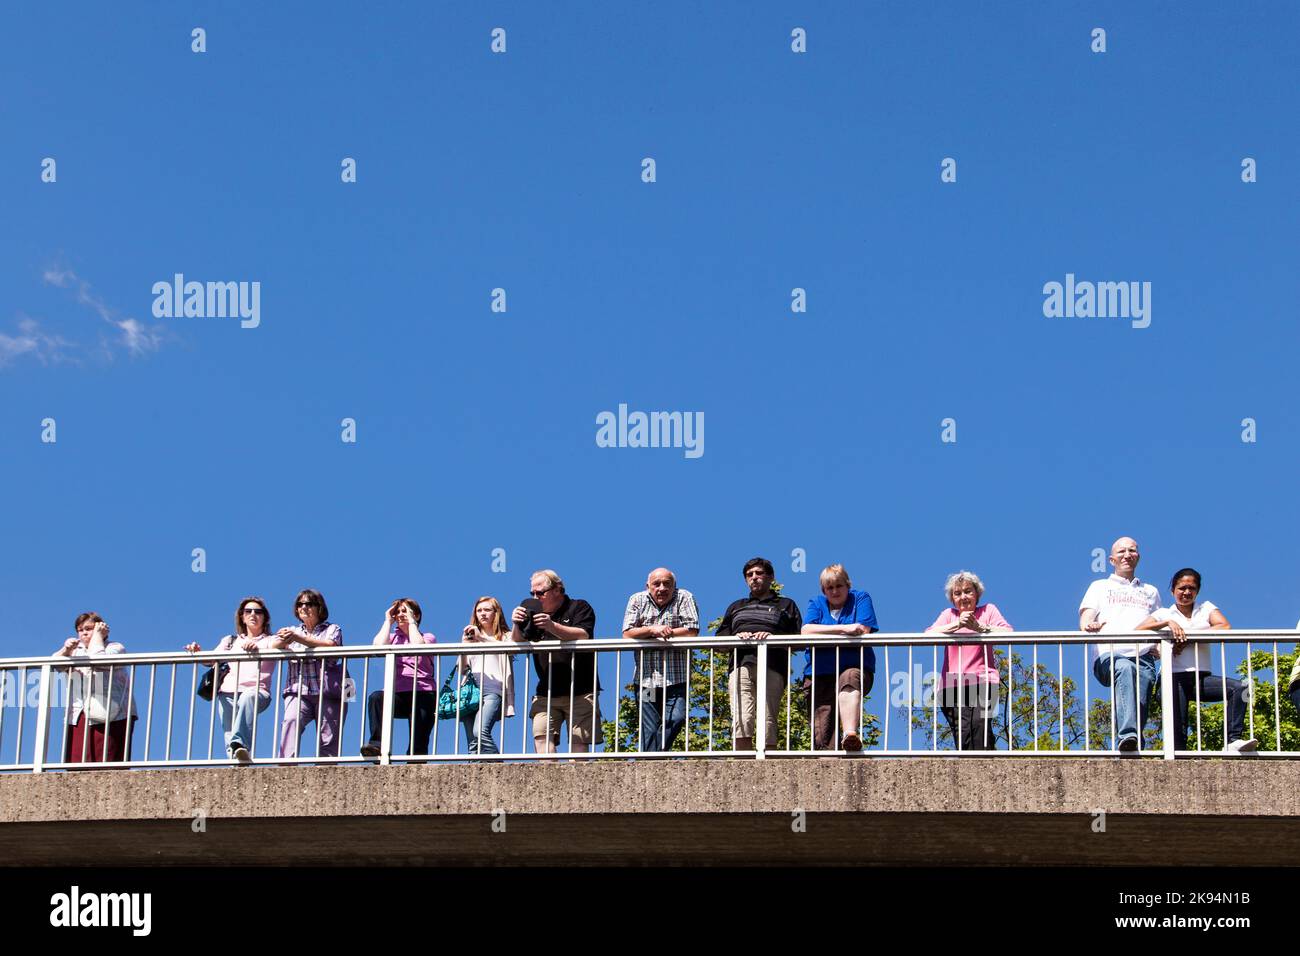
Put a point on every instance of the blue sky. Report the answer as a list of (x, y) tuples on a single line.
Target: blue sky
[(775, 170)]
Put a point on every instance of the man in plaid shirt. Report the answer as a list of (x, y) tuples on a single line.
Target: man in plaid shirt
[(661, 612)]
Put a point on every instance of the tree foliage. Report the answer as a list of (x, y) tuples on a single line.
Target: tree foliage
[(1051, 713)]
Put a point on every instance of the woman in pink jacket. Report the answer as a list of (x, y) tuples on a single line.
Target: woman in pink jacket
[(970, 677)]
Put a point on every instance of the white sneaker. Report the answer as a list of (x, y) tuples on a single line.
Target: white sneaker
[(1243, 746)]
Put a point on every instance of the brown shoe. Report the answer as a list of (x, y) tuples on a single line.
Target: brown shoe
[(852, 742)]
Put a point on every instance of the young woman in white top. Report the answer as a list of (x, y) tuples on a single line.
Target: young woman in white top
[(495, 674), (1191, 664)]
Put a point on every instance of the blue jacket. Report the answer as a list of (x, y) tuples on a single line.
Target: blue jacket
[(857, 609)]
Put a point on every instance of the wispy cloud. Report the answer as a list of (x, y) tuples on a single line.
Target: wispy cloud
[(133, 335), (32, 341)]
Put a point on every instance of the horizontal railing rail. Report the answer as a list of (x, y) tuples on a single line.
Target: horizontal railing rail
[(1027, 693)]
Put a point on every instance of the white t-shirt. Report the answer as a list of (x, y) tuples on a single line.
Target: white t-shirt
[(835, 615), (1121, 606), (91, 683), (494, 672), (1185, 658)]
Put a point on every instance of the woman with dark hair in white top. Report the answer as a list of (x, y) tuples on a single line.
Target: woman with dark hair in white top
[(1190, 667)]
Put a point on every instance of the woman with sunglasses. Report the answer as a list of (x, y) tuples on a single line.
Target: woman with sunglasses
[(247, 680), (306, 699)]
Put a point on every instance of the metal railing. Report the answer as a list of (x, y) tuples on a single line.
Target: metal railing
[(1048, 700)]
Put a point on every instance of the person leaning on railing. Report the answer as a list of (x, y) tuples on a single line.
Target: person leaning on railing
[(839, 609), (756, 618), (99, 716), (661, 612), (249, 680), (304, 698), (1293, 683), (567, 685), (1191, 664), (494, 674), (970, 674), (1117, 604), (413, 680)]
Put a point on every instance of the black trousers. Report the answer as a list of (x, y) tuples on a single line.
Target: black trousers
[(969, 710), (426, 712)]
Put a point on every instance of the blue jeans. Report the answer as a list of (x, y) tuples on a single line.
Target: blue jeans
[(242, 733), (478, 725), (661, 708), (1129, 719)]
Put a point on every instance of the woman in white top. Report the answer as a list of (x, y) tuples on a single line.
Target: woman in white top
[(495, 674), (1191, 664), (100, 709)]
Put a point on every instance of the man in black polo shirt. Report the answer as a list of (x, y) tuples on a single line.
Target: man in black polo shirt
[(756, 618), (567, 688)]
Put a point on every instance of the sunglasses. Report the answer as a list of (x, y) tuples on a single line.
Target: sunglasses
[(256, 610), (306, 604), (538, 594)]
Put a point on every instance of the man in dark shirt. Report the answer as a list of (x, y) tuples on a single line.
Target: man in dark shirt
[(756, 618), (567, 688)]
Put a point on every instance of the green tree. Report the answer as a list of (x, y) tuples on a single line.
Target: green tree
[(1046, 715), (1260, 719)]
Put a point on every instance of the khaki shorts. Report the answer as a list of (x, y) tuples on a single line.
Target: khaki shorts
[(584, 705)]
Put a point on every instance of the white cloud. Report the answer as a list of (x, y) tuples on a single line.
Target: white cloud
[(32, 340), (133, 335), (29, 339)]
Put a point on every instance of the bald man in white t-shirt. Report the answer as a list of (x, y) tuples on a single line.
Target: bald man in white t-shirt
[(1118, 604)]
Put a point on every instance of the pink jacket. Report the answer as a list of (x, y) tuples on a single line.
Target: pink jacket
[(974, 662)]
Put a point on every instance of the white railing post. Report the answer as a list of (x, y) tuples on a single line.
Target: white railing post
[(390, 693), (1167, 697), (42, 720), (760, 711)]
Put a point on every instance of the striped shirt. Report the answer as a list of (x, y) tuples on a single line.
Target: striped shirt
[(304, 675), (657, 668)]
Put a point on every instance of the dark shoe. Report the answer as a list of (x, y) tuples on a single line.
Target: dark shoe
[(852, 742), (241, 754), (370, 750), (1128, 747)]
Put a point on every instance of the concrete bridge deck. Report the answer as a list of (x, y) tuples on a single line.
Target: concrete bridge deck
[(1016, 811)]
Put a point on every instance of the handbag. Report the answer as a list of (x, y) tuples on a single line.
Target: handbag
[(450, 703), (210, 681), (207, 688)]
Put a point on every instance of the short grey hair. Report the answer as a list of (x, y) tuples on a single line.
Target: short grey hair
[(958, 578), (551, 577)]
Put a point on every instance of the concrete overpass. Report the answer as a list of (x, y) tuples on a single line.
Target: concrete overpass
[(1019, 810)]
